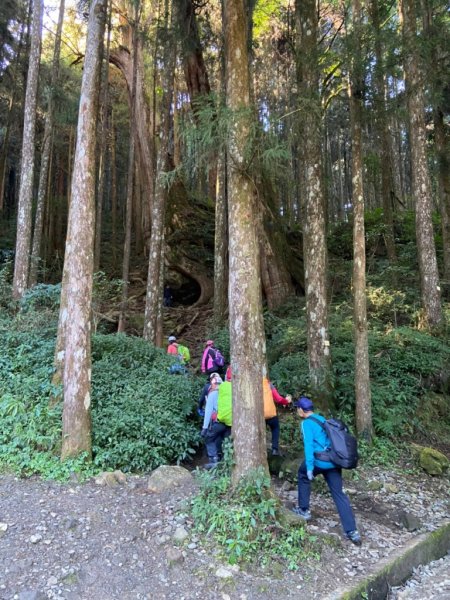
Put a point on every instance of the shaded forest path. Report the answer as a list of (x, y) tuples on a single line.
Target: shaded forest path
[(86, 542)]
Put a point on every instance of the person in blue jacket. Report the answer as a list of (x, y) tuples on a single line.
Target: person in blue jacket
[(315, 440)]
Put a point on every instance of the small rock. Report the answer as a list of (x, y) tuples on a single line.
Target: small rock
[(374, 486), (51, 581), (165, 478), (180, 535), (409, 521), (224, 573), (34, 539), (31, 595), (106, 479), (391, 488), (174, 556)]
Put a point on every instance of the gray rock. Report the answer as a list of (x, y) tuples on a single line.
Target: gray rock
[(165, 478), (174, 556), (223, 573), (409, 521), (32, 595), (180, 535), (34, 539)]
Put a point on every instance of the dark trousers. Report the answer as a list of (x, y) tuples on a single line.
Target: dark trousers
[(214, 438), (274, 425), (333, 477)]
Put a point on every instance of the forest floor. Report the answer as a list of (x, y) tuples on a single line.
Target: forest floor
[(87, 542)]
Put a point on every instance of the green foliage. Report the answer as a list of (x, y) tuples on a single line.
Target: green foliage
[(245, 522), (141, 415), (40, 296)]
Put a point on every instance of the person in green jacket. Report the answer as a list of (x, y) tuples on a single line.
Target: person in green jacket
[(219, 426)]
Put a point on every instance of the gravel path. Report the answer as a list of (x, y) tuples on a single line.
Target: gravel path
[(427, 581), (85, 542)]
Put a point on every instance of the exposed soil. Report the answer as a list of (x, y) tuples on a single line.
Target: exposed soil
[(86, 542)]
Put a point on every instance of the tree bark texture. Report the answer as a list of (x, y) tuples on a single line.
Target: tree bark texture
[(384, 143), (145, 148), (23, 236), (103, 146), (245, 303), (442, 141), (421, 185), (46, 150), (154, 296), (220, 246), (79, 257), (130, 185), (314, 240), (362, 372)]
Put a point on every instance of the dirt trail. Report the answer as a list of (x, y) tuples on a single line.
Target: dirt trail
[(85, 542)]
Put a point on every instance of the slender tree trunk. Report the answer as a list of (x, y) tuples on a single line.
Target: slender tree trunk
[(45, 160), (220, 246), (23, 236), (156, 253), (442, 141), (103, 148), (421, 186), (131, 178), (246, 322), (384, 145), (362, 373), (113, 190), (79, 257), (314, 240)]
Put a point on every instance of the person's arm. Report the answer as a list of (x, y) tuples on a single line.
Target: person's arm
[(209, 409), (308, 442), (278, 398)]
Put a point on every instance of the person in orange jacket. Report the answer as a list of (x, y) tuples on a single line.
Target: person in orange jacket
[(271, 396)]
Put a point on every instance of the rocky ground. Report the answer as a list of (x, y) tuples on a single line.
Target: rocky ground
[(93, 542), (427, 581)]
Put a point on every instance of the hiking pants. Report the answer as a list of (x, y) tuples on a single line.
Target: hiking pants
[(333, 477), (214, 439), (274, 425)]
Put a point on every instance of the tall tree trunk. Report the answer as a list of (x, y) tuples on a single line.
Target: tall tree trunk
[(220, 245), (246, 321), (442, 141), (156, 253), (45, 160), (131, 178), (113, 190), (362, 373), (79, 257), (421, 186), (103, 147), (384, 144), (314, 240), (23, 236)]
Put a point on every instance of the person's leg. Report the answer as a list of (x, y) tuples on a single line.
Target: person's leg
[(211, 442), (304, 488), (274, 425), (333, 478), (221, 429)]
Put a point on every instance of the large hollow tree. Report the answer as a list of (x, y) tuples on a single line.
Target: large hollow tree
[(246, 322), (79, 256)]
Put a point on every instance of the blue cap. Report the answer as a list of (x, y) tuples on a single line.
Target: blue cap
[(304, 403)]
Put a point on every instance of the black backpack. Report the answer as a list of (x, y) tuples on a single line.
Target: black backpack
[(343, 451)]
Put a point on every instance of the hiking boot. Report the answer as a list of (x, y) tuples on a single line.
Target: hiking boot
[(354, 537), (304, 514), (213, 462)]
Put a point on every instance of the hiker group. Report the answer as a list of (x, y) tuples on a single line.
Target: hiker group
[(328, 446)]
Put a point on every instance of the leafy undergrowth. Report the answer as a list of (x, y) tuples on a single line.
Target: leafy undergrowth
[(245, 521), (141, 415)]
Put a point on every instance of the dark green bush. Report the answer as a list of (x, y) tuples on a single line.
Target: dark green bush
[(141, 415)]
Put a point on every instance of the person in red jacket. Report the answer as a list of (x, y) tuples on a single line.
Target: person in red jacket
[(271, 396)]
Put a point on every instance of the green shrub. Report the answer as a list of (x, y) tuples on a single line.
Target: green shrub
[(141, 415), (245, 522)]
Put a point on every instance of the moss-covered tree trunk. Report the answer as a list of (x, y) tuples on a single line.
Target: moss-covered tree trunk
[(23, 235), (220, 245), (314, 239), (421, 185), (246, 322), (362, 373), (79, 257)]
